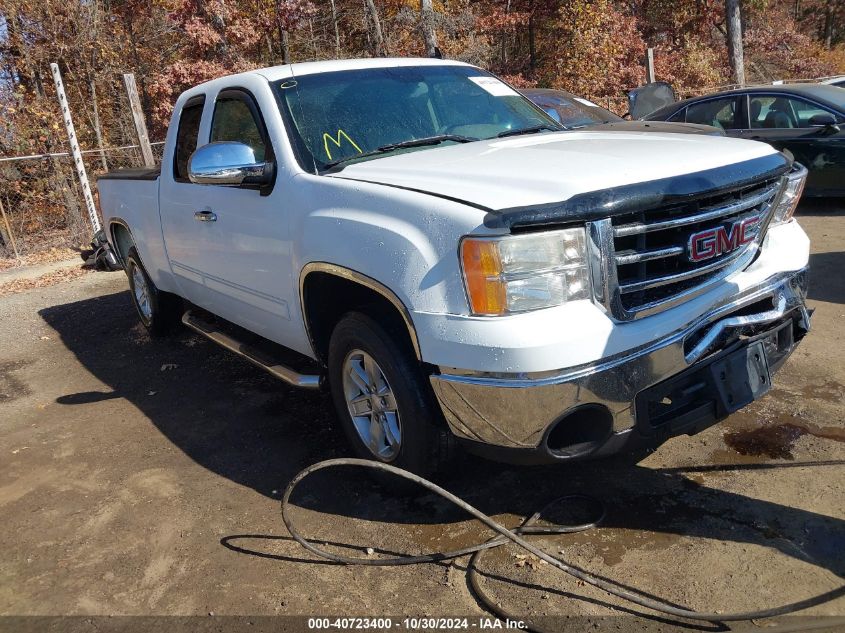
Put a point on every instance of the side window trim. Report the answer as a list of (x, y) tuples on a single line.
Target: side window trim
[(192, 102)]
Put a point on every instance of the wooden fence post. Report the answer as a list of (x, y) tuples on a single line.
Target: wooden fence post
[(649, 66), (97, 129), (9, 230), (138, 117)]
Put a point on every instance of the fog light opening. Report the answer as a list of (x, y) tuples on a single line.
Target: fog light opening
[(580, 432)]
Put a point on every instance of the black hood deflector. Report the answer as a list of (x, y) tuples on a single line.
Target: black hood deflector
[(641, 196)]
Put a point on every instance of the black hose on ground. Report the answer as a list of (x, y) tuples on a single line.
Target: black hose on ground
[(516, 536)]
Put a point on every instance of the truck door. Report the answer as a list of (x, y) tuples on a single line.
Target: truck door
[(177, 203), (229, 246)]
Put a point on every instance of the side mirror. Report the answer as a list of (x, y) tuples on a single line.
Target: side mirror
[(826, 122), (228, 163), (822, 120)]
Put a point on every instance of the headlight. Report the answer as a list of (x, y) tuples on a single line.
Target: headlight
[(525, 272), (791, 194)]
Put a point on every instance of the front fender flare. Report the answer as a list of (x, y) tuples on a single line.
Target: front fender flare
[(368, 282)]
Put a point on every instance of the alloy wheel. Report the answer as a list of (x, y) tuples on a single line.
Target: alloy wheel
[(142, 293), (372, 405)]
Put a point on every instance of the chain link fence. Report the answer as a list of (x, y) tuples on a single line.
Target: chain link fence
[(41, 203), (43, 213)]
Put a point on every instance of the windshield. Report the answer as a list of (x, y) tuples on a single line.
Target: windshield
[(835, 97), (571, 112), (341, 115)]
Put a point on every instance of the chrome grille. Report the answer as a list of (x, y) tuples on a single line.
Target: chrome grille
[(649, 267)]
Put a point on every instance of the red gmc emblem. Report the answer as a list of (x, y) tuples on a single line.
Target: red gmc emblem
[(710, 243)]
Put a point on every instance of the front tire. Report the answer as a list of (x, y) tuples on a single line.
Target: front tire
[(382, 398), (159, 311)]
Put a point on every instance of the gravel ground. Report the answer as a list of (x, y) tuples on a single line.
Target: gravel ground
[(142, 477), (34, 271)]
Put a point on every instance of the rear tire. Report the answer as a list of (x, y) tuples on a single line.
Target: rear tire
[(383, 400), (159, 311)]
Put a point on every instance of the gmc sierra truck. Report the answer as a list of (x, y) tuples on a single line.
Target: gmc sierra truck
[(457, 269)]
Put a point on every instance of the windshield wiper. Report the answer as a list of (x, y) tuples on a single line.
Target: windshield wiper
[(429, 140), (414, 142), (528, 130)]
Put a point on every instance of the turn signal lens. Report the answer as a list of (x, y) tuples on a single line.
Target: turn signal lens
[(791, 195), (482, 270), (518, 273)]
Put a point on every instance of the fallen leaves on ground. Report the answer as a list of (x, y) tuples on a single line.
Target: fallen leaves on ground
[(48, 256), (58, 276)]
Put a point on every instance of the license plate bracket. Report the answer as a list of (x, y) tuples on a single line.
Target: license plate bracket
[(742, 376)]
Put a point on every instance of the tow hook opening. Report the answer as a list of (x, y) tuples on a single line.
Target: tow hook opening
[(580, 432)]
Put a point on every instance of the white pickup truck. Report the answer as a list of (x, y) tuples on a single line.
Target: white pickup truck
[(430, 245)]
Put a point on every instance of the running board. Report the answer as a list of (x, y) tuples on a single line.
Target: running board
[(254, 356)]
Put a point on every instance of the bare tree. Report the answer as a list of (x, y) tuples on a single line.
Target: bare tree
[(829, 22), (336, 30), (379, 48), (428, 31), (504, 41), (733, 17), (284, 44)]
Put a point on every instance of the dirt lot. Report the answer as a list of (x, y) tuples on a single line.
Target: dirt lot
[(143, 477)]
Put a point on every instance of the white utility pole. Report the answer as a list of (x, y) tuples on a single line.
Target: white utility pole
[(74, 149)]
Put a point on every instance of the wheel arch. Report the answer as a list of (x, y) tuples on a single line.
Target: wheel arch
[(348, 290), (121, 238)]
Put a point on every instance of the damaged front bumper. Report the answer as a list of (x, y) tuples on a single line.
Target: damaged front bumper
[(679, 384)]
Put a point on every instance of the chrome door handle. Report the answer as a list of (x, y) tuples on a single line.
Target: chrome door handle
[(205, 216)]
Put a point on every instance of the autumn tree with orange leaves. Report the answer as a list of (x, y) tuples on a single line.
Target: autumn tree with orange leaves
[(594, 48), (591, 47)]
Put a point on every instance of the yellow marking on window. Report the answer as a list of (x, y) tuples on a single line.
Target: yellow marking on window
[(340, 134)]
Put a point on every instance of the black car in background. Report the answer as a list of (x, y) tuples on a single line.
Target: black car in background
[(807, 120), (835, 81), (576, 113)]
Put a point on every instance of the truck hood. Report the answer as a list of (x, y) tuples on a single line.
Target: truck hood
[(541, 169), (655, 126)]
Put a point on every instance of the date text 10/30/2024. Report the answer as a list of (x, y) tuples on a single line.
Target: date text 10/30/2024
[(412, 623)]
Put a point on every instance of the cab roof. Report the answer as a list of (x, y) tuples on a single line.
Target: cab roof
[(286, 71)]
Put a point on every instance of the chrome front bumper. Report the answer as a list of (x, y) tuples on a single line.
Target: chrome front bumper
[(514, 411)]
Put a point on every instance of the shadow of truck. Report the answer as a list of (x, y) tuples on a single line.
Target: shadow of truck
[(242, 424)]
